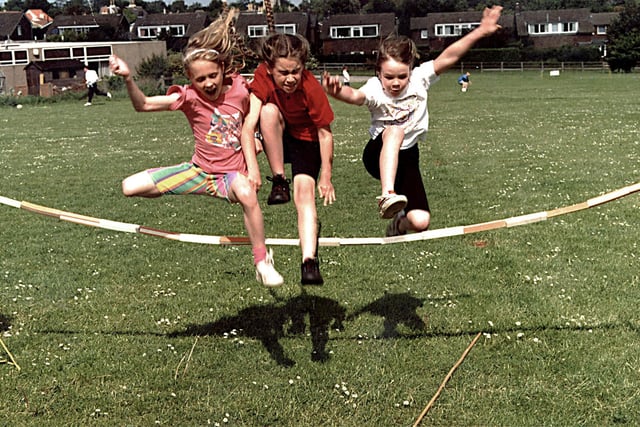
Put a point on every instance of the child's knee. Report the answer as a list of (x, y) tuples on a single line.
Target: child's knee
[(419, 220), (128, 187), (393, 137), (269, 112), (244, 194)]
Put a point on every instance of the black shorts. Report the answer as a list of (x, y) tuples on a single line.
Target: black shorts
[(408, 177), (304, 156)]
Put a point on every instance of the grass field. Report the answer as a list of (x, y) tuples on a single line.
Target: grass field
[(113, 328)]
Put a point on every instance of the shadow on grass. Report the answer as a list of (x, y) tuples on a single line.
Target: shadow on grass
[(268, 323), (5, 322), (395, 309)]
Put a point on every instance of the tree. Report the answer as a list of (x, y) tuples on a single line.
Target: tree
[(76, 7), (624, 39), (37, 4), (178, 6), (14, 5)]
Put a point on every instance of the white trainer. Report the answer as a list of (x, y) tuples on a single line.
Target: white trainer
[(393, 229), (390, 204), (266, 273)]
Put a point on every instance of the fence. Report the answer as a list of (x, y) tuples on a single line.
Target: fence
[(601, 66), (534, 66)]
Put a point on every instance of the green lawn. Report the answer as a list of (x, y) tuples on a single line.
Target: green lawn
[(113, 328)]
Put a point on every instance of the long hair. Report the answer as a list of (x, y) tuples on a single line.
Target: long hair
[(284, 46), (217, 43)]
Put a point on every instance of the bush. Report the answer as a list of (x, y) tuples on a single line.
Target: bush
[(153, 67)]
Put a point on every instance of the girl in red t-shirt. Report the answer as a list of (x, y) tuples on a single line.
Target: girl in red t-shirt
[(294, 116)]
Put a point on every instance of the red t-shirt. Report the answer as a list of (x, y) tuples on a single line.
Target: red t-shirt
[(304, 111), (216, 126)]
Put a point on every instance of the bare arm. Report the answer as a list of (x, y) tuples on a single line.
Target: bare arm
[(325, 187), (140, 101), (248, 140), (455, 51), (333, 86)]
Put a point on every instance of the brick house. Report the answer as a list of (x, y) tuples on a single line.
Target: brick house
[(15, 26), (175, 28), (253, 27), (355, 36), (539, 29), (96, 27), (438, 30)]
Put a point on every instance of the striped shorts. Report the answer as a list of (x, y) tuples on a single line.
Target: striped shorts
[(187, 178)]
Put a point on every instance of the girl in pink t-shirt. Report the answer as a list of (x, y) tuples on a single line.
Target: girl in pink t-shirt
[(215, 104)]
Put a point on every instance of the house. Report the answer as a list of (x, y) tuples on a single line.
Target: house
[(253, 27), (39, 22), (600, 28), (541, 29), (175, 28), (544, 29), (15, 56), (94, 27), (44, 78), (14, 26), (352, 38), (438, 30)]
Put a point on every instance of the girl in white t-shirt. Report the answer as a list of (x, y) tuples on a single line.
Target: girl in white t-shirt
[(397, 101)]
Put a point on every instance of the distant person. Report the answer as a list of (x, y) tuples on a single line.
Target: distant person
[(91, 78), (346, 78), (463, 81), (397, 100)]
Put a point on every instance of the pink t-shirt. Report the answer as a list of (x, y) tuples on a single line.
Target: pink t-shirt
[(216, 126)]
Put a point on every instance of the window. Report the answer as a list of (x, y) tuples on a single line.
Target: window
[(554, 28), (257, 31), (286, 28), (147, 32), (63, 53), (78, 29), (424, 34), (353, 32), (601, 29), (177, 30), (454, 30), (15, 57), (153, 32)]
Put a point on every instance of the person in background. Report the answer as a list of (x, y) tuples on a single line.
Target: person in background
[(91, 79), (463, 81), (346, 78)]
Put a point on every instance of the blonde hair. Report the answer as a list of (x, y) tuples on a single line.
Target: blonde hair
[(217, 43)]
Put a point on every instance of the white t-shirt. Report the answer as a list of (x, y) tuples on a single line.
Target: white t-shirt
[(408, 110), (91, 77)]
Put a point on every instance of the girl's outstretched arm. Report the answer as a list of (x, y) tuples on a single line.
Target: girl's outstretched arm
[(140, 101), (455, 51), (333, 86)]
